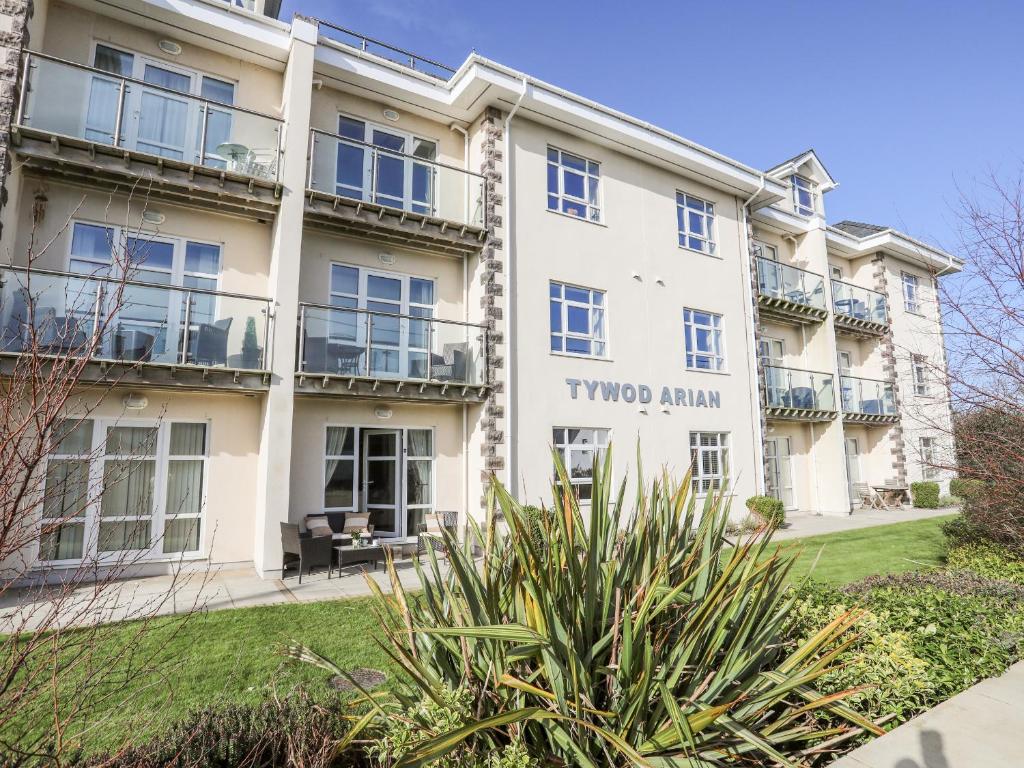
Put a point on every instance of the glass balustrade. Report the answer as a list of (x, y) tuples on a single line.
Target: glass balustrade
[(357, 342), (781, 281), (361, 171), (106, 319), (867, 396), (859, 303), (794, 388), (81, 102)]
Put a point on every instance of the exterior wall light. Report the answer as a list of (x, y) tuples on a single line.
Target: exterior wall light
[(391, 115), (169, 47), (153, 217), (382, 413), (134, 402)]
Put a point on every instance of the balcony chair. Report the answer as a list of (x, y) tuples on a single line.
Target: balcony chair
[(212, 343), (451, 365), (868, 498), (802, 397), (133, 345), (872, 406), (309, 551), (58, 335), (432, 530)]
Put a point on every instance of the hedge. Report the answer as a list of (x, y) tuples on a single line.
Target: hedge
[(769, 509), (925, 495)]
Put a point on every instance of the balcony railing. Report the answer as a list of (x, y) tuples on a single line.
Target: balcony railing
[(867, 397), (384, 50), (859, 303), (75, 101), (58, 313), (379, 345), (798, 286), (361, 171), (798, 389)]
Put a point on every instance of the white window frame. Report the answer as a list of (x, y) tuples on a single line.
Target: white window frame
[(911, 285), (765, 250), (835, 271), (601, 440), (768, 343), (928, 446), (716, 330), (707, 242), (703, 482), (97, 460), (772, 457), (597, 339), (804, 184), (82, 516), (919, 375), (592, 211)]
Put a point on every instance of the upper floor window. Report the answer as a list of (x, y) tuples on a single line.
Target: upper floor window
[(765, 251), (911, 293), (709, 460), (577, 320), (696, 220), (835, 272), (919, 371), (929, 458), (704, 347), (574, 185), (579, 449), (805, 199), (771, 351)]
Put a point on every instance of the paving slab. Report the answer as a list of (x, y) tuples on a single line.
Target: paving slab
[(983, 727)]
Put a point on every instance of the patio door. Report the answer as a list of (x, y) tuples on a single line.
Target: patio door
[(852, 466), (382, 460), (779, 471), (163, 122)]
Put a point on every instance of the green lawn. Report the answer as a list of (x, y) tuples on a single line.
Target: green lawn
[(852, 555), (230, 655)]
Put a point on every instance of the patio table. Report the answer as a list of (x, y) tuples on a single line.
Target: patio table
[(891, 495), (346, 554)]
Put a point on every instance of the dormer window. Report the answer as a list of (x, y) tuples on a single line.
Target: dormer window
[(804, 197)]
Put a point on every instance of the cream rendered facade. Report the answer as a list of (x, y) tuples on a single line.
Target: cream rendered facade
[(351, 190)]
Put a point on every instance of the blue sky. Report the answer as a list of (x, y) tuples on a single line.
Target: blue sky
[(904, 101)]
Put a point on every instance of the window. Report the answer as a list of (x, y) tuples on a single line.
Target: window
[(574, 185), (579, 448), (929, 458), (577, 320), (340, 469), (66, 492), (845, 363), (771, 351), (150, 482), (419, 474), (804, 197), (919, 371), (911, 293), (765, 251), (704, 348), (709, 460), (696, 221), (836, 272)]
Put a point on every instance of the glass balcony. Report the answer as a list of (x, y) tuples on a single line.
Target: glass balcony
[(361, 171), (794, 388), (80, 102), (781, 281), (104, 318), (858, 303), (379, 345), (869, 397)]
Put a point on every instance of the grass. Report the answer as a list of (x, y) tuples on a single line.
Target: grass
[(852, 555), (230, 655)]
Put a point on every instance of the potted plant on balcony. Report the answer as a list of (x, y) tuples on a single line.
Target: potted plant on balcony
[(252, 353)]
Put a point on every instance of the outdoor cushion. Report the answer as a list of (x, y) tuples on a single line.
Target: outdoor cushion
[(318, 526), (360, 523)]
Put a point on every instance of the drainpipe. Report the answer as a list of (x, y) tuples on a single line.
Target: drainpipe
[(465, 163), (759, 485), (510, 304), (465, 317)]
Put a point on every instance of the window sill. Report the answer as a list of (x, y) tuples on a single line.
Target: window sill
[(574, 356), (724, 372), (701, 253), (577, 218), (916, 313)]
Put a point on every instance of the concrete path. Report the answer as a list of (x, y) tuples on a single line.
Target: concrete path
[(220, 588), (983, 727), (801, 525)]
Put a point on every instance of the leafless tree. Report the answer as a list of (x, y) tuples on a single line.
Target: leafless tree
[(59, 659)]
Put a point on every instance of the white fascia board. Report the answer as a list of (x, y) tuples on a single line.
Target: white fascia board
[(210, 24), (896, 244)]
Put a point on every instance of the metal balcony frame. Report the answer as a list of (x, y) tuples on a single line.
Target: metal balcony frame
[(785, 310), (857, 327), (793, 413), (860, 417)]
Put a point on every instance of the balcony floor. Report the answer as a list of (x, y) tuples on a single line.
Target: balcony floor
[(798, 414), (871, 419), (111, 169), (858, 329), (785, 311), (391, 225), (363, 388)]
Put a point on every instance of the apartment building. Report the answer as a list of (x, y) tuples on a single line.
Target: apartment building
[(358, 280)]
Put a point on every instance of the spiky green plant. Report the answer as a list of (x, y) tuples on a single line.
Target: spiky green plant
[(639, 636)]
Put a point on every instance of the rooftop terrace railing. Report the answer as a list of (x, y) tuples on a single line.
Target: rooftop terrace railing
[(62, 313), (72, 100), (385, 51)]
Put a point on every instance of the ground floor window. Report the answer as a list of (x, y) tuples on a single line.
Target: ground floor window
[(126, 486), (386, 473), (929, 458), (579, 447), (779, 471), (709, 460)]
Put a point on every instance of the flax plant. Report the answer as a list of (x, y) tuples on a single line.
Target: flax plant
[(628, 634)]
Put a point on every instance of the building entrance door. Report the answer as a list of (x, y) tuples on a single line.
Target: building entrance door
[(382, 454)]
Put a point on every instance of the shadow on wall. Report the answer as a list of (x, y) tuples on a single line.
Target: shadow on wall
[(932, 754)]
